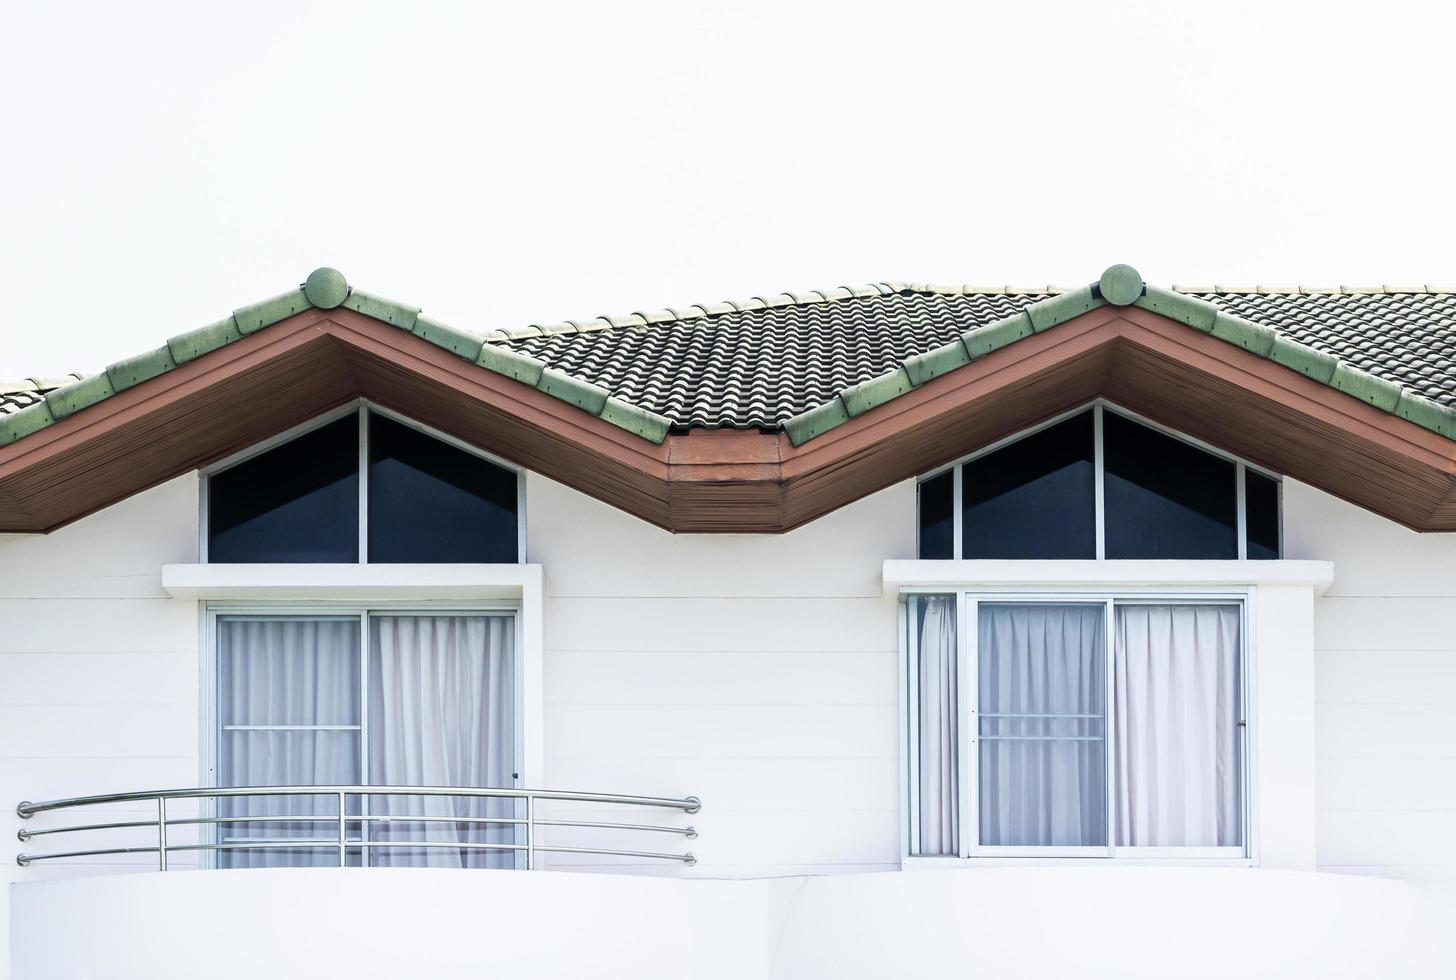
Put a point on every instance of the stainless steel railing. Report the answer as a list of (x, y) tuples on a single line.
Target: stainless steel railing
[(528, 822)]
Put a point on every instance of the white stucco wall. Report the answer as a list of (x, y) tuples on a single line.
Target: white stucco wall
[(1385, 639)]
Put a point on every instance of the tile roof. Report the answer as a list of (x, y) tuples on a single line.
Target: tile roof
[(803, 362)]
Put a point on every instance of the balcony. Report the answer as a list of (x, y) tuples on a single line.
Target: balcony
[(359, 826)]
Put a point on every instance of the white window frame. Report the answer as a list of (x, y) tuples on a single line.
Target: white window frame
[(1098, 407), (363, 408), (967, 718), (526, 731)]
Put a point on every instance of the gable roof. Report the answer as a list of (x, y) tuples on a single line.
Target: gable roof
[(760, 414), (783, 361)]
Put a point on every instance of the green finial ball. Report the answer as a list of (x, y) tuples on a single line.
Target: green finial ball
[(326, 288), (1121, 285)]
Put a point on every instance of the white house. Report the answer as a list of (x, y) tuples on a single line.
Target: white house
[(896, 631)]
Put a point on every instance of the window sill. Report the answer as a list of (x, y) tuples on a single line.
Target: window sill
[(363, 582), (1101, 861), (901, 574)]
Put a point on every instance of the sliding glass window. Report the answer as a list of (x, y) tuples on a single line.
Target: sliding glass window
[(1078, 726)]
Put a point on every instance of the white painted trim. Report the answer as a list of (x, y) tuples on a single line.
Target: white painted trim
[(352, 582), (931, 575)]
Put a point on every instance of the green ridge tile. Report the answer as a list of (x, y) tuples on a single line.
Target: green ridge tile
[(452, 339), (1427, 414), (1306, 360), (1196, 313), (74, 397), (1061, 308), (933, 363), (193, 344), (512, 363), (866, 395), (395, 314), (638, 421), (994, 336), (1253, 337), (134, 370), (270, 311), (816, 421), (582, 394), (1383, 394), (19, 424)]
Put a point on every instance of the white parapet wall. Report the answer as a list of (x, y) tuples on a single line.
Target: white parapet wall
[(1015, 922)]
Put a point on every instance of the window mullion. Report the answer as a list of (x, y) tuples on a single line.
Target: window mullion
[(363, 484), (1109, 748), (364, 653), (1097, 476), (957, 491), (1242, 522), (968, 723)]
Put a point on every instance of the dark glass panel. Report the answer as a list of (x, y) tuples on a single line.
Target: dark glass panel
[(937, 518), (298, 502), (1261, 515), (1033, 498), (432, 502), (1163, 497)]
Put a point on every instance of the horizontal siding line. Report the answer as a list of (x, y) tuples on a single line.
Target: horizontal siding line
[(1403, 755), (1388, 810), (1386, 704), (1384, 652)]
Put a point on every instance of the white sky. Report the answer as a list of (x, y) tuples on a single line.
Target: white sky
[(161, 166)]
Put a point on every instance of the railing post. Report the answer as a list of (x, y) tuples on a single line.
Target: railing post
[(343, 832), (161, 833), (530, 832)]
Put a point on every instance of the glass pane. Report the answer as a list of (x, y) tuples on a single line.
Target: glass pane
[(932, 622), (432, 502), (937, 524), (1261, 515), (289, 713), (1042, 725), (1035, 497), (298, 502), (1165, 498), (442, 713), (1176, 705)]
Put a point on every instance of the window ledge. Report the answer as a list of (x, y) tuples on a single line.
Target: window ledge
[(288, 581), (951, 574)]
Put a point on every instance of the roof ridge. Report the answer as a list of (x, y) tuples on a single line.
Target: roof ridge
[(1386, 290), (640, 319)]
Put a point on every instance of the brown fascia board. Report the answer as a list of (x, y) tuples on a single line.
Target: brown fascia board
[(728, 480)]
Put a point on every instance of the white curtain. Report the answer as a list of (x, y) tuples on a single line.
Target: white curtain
[(1042, 725), (442, 713), (1176, 707), (288, 707), (939, 735)]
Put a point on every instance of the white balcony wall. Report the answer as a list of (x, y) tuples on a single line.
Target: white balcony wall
[(756, 671), (1385, 682)]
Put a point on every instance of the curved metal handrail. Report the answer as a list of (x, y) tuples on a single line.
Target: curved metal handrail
[(342, 819)]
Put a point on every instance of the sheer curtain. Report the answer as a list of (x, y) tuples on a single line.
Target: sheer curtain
[(939, 735), (442, 713), (1176, 707), (1042, 725), (289, 715)]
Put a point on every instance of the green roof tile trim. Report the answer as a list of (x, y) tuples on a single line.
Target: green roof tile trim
[(1383, 394), (1059, 309), (639, 421), (933, 363), (582, 394), (1427, 414), (866, 395), (24, 422), (512, 363), (193, 344), (1253, 337), (270, 311), (396, 314), (74, 397), (1196, 313), (326, 288), (143, 367), (1120, 285), (994, 336), (1304, 359), (816, 421), (453, 339)]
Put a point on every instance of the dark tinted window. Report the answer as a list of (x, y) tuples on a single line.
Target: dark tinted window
[(937, 524), (1163, 497), (432, 502), (298, 502), (1033, 498), (1261, 515)]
